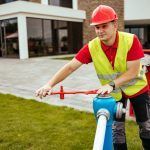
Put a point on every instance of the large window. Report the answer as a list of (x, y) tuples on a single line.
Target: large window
[(60, 36), (35, 37), (9, 46), (6, 1), (143, 33), (67, 36), (39, 37), (52, 37), (47, 37), (63, 3)]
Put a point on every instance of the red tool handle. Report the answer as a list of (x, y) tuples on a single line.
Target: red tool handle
[(62, 93), (75, 92)]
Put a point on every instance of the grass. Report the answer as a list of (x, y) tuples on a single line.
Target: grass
[(31, 125)]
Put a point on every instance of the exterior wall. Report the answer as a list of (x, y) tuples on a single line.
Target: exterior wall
[(140, 11), (137, 14), (90, 5)]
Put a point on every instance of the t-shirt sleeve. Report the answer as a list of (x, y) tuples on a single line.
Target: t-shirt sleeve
[(84, 55), (136, 50)]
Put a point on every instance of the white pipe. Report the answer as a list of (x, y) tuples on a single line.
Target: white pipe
[(100, 133)]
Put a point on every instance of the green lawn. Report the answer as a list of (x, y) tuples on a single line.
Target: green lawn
[(31, 125)]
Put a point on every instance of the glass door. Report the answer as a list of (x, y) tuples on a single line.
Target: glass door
[(62, 41), (11, 38), (9, 46)]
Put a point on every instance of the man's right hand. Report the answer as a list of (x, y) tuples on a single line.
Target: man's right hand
[(44, 91)]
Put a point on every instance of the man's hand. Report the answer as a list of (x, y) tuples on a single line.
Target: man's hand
[(44, 91), (105, 89)]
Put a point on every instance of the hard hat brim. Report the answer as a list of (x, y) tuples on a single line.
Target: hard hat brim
[(102, 22)]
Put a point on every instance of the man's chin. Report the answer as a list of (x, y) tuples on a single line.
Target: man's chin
[(102, 38)]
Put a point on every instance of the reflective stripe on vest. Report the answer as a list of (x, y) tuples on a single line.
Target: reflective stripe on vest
[(106, 73)]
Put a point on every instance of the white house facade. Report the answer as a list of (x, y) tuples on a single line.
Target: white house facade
[(29, 29)]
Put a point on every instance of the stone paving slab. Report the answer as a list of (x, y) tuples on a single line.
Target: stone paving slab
[(23, 77)]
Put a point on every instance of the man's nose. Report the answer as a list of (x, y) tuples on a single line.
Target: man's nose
[(100, 30)]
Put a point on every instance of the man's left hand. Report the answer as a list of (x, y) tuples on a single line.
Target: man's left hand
[(105, 89)]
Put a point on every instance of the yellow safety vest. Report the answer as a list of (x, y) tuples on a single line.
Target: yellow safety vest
[(106, 73)]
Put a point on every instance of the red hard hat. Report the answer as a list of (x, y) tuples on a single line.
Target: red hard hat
[(103, 14)]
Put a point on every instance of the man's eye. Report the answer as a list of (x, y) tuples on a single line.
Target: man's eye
[(104, 26), (101, 27)]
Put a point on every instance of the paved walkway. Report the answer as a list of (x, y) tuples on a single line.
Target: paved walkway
[(23, 77)]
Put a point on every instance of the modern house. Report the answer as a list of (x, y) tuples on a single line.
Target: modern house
[(36, 28), (29, 29)]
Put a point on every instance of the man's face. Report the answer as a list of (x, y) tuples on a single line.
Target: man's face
[(106, 31)]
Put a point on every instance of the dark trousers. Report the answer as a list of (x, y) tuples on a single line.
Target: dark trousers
[(141, 107)]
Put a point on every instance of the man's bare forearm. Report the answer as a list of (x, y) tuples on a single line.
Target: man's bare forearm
[(60, 75), (64, 72), (131, 73), (124, 78)]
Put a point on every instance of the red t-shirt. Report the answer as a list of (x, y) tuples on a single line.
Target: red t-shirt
[(134, 53)]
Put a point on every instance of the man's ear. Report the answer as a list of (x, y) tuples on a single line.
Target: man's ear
[(116, 24)]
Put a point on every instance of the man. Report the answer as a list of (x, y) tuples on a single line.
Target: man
[(116, 57)]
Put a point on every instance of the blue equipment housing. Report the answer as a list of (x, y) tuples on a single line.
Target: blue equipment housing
[(110, 104)]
